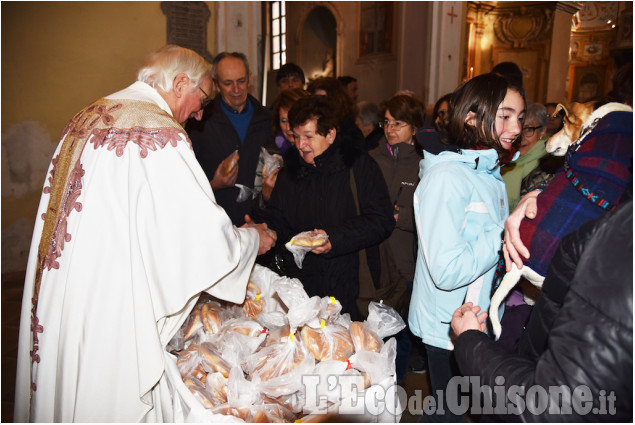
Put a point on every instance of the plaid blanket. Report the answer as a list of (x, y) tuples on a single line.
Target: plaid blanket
[(604, 163)]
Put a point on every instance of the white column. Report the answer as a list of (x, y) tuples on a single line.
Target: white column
[(447, 25), (239, 29)]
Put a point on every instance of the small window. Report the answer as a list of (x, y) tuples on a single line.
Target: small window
[(278, 34)]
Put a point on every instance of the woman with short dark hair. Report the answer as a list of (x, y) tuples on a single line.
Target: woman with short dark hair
[(313, 192)]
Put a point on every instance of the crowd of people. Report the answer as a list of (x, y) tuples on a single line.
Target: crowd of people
[(422, 209)]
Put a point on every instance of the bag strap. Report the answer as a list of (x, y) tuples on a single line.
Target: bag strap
[(364, 269)]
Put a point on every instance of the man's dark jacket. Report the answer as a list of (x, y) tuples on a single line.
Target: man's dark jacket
[(308, 197), (580, 332), (214, 138)]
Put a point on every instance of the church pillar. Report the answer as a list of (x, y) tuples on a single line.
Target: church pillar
[(558, 66), (446, 23)]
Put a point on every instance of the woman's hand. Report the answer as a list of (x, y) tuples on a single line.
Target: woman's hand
[(513, 247), (324, 248), (268, 184), (466, 318)]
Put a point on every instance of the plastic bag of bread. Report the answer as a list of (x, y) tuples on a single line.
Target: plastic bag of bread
[(197, 388), (329, 342), (304, 242), (211, 313), (263, 281), (216, 388), (192, 325), (278, 360), (254, 303), (330, 309), (384, 320), (189, 364), (238, 339), (240, 391), (272, 162), (241, 413), (378, 365), (212, 360), (272, 319), (364, 339), (305, 312), (230, 162), (277, 335), (290, 291), (271, 413), (327, 373)]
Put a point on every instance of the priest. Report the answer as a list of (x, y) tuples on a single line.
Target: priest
[(127, 236)]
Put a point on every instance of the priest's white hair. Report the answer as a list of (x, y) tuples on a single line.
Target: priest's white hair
[(164, 65)]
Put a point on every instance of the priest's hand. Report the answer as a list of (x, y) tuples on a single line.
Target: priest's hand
[(267, 237), (466, 318), (222, 180), (513, 247)]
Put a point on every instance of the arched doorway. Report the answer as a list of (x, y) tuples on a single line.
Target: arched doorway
[(318, 44)]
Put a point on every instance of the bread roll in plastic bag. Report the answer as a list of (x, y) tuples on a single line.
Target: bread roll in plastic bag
[(304, 242), (329, 342)]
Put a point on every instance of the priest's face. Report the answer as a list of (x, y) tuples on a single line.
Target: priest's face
[(310, 143), (194, 101), (232, 82)]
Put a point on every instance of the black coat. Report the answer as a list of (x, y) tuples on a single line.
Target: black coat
[(214, 138), (581, 329), (308, 197)]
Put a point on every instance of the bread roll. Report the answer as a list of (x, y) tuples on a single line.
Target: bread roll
[(311, 238), (231, 163), (210, 318), (364, 339), (193, 323), (211, 360), (332, 343), (253, 308)]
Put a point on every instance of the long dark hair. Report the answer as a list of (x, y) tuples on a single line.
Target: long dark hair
[(481, 95)]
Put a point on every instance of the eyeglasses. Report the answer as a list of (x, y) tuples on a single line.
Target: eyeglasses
[(529, 131), (388, 125), (207, 99)]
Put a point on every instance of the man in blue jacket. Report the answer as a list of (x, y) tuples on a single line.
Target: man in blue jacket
[(234, 121)]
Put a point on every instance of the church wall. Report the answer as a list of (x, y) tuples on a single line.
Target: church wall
[(56, 58), (378, 76)]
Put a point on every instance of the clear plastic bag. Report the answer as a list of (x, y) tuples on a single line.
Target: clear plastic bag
[(290, 291), (384, 320), (272, 162), (304, 242), (238, 339), (277, 360), (378, 365), (329, 342)]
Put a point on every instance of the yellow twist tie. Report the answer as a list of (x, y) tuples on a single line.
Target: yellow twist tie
[(332, 300), (322, 324), (257, 297), (291, 336)]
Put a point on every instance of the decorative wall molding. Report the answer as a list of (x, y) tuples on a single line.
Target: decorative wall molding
[(521, 26)]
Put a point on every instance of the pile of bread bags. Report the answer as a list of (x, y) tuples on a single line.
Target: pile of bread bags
[(250, 362)]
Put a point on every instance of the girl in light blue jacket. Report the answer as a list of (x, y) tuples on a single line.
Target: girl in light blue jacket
[(460, 206)]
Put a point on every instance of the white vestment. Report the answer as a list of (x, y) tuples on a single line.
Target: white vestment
[(139, 238)]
